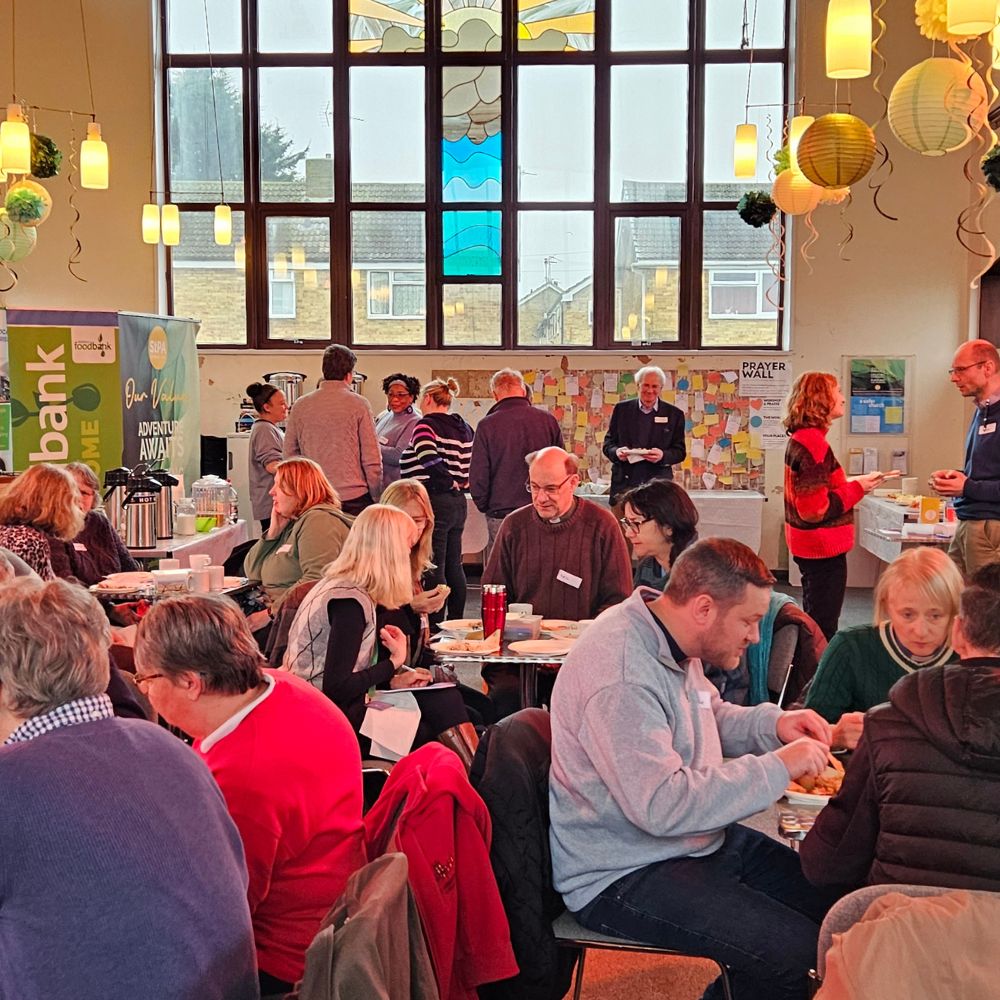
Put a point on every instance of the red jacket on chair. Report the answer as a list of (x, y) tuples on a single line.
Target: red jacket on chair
[(429, 811)]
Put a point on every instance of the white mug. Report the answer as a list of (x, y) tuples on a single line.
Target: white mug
[(199, 561), (201, 581), (217, 577), (169, 564)]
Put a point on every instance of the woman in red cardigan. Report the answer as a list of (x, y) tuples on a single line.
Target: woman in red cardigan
[(819, 525)]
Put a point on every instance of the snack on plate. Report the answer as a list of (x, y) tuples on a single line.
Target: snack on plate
[(490, 645), (827, 782), (118, 582)]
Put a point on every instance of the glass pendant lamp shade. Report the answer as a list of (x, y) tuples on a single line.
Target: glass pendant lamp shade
[(848, 39), (745, 151), (94, 159), (971, 17), (15, 142), (170, 224), (223, 225), (796, 127), (150, 223)]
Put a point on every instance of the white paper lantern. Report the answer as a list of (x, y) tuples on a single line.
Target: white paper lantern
[(932, 104), (794, 194)]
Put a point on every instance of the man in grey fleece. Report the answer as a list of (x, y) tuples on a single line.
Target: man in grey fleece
[(645, 836)]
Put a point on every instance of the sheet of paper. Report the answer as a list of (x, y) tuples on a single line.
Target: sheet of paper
[(611, 381), (396, 726), (596, 399), (572, 385)]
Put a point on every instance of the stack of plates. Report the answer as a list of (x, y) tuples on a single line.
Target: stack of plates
[(117, 584)]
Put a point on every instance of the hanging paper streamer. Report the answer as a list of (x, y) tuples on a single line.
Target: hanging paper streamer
[(810, 240), (77, 251), (883, 162), (842, 245), (775, 255), (970, 219)]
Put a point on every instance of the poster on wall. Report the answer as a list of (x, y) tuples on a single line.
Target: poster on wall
[(767, 383), (6, 449), (878, 395), (159, 393), (64, 395)]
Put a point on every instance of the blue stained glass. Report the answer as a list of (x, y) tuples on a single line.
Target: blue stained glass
[(471, 243), (470, 171)]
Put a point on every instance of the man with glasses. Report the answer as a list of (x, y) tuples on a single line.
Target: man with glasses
[(510, 430), (975, 372), (123, 874), (645, 437), (562, 554)]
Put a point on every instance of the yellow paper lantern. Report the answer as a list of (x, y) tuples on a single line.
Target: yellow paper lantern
[(848, 39), (836, 150), (745, 151), (793, 194), (971, 17), (932, 104)]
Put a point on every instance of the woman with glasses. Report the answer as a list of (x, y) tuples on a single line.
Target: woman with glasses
[(438, 455), (394, 425), (819, 498), (661, 522), (916, 601)]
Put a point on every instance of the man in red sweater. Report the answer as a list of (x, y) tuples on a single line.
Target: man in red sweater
[(565, 556), (285, 757)]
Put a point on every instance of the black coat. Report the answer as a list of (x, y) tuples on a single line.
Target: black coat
[(921, 800), (631, 428)]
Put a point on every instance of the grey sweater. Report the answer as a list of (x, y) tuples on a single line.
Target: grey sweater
[(637, 756)]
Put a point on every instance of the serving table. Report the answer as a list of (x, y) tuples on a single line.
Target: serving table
[(880, 529), (217, 543)]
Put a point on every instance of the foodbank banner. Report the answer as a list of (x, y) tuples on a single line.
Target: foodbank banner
[(64, 395), (159, 393), (6, 451)]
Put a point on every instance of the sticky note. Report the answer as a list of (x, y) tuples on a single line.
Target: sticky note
[(564, 400), (697, 448), (755, 454), (611, 397), (681, 400), (730, 376), (610, 381), (600, 436), (726, 480), (740, 437), (699, 432), (668, 396), (596, 399), (727, 389), (579, 448), (732, 423), (697, 382), (581, 434), (715, 454), (711, 419), (581, 418), (572, 385), (550, 389)]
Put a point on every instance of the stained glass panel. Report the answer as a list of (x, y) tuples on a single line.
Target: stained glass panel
[(386, 25), (471, 143), (471, 25), (555, 25), (471, 243)]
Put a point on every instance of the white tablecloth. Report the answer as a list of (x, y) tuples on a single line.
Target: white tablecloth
[(217, 543)]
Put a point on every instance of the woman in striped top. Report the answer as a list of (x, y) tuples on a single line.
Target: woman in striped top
[(438, 455)]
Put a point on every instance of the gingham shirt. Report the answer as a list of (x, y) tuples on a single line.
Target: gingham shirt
[(72, 713)]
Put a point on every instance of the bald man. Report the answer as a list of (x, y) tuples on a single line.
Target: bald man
[(975, 372), (563, 555)]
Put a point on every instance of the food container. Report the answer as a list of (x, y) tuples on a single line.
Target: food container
[(523, 627), (171, 581)]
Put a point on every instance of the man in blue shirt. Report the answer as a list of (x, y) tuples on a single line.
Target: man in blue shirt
[(975, 372)]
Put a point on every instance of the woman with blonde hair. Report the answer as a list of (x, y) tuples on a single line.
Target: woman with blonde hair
[(438, 455), (307, 530), (344, 640), (916, 601), (41, 504), (819, 525)]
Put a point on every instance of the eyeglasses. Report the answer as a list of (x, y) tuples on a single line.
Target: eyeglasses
[(965, 368), (549, 491), (397, 395), (140, 682), (632, 526)]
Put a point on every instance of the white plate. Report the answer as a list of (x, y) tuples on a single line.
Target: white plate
[(559, 625), (542, 647), (124, 581), (461, 625), (232, 582), (806, 798)]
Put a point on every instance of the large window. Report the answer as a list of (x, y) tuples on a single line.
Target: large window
[(465, 174)]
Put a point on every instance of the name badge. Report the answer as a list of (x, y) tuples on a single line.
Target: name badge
[(383, 440), (988, 428), (574, 581), (661, 420), (79, 547), (284, 549), (704, 699)]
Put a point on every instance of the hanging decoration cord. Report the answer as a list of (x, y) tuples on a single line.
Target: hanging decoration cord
[(77, 251), (743, 44), (86, 56), (215, 106)]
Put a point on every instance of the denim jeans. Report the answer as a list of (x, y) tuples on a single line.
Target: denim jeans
[(449, 522), (747, 905)]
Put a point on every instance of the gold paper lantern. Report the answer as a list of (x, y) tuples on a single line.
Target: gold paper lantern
[(848, 39), (836, 150), (932, 104), (793, 194)]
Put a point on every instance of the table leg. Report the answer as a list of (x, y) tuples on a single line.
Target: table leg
[(529, 685)]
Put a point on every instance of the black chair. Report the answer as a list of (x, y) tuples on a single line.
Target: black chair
[(511, 772)]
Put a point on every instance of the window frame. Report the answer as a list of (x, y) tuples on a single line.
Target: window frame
[(393, 283), (341, 209), (760, 276), (275, 279)]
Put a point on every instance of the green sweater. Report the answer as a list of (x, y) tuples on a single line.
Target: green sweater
[(858, 668), (300, 552)]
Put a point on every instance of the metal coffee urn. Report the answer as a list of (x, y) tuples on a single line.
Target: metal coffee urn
[(165, 504), (116, 486), (140, 512)]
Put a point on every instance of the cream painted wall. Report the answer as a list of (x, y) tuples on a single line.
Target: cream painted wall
[(120, 269), (904, 291)]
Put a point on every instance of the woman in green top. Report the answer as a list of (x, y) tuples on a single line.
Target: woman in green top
[(916, 600), (306, 532)]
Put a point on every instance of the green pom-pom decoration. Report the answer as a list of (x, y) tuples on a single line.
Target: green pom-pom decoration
[(45, 156), (757, 208), (25, 206), (991, 168), (782, 160)]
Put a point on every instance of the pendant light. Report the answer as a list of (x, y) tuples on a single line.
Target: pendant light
[(94, 159), (223, 225), (849, 39), (745, 150), (15, 142), (170, 225), (151, 221), (796, 127), (971, 17)]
